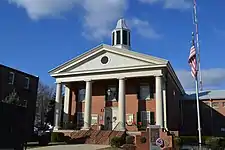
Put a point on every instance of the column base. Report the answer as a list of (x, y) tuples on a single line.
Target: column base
[(85, 128), (56, 127)]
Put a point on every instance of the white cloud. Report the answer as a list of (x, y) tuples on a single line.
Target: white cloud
[(171, 4), (143, 28), (99, 14), (37, 9), (211, 78)]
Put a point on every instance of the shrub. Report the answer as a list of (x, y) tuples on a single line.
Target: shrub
[(215, 142), (130, 140), (177, 141), (129, 147), (143, 139), (115, 141), (57, 137)]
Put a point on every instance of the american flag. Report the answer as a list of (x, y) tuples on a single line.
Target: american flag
[(192, 59)]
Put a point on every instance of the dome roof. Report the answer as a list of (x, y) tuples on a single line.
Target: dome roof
[(121, 24)]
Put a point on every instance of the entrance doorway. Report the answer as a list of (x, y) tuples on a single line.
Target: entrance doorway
[(111, 117)]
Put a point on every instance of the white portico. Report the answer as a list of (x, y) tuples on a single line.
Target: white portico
[(106, 62)]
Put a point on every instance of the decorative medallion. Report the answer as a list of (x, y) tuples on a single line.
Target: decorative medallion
[(104, 60)]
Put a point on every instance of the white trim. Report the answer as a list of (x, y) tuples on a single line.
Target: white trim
[(115, 75), (13, 78), (96, 50), (109, 70)]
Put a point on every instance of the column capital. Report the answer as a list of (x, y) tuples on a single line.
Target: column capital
[(88, 80), (121, 78), (158, 75)]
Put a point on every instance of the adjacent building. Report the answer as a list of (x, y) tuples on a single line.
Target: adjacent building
[(120, 89), (19, 88)]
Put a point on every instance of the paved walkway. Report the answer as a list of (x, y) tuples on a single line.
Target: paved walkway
[(72, 147)]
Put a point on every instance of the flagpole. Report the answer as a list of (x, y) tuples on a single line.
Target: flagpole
[(197, 44), (197, 100), (198, 113)]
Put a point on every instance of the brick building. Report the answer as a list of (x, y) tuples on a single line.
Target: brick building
[(212, 112), (20, 85), (119, 88)]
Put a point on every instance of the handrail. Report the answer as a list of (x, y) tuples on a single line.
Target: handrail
[(114, 128)]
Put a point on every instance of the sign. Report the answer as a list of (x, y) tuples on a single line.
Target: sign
[(159, 142)]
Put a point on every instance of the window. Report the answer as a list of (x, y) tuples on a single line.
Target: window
[(223, 104), (113, 37), (129, 38), (124, 37), (94, 119), (24, 103), (27, 83), (215, 105), (144, 93), (145, 117), (11, 78), (130, 118), (80, 119), (111, 93), (81, 95), (118, 39)]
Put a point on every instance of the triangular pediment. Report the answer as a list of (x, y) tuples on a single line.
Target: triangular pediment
[(106, 57)]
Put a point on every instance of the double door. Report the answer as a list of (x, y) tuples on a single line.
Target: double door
[(111, 117)]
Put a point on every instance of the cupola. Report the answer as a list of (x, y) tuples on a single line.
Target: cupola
[(121, 35)]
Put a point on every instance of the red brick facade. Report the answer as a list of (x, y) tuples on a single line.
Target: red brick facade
[(133, 105)]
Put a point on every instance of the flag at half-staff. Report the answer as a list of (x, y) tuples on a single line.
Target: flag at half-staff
[(192, 60)]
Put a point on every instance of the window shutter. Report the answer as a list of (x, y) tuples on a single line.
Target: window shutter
[(138, 118), (138, 92), (106, 95), (76, 94), (117, 92), (152, 118), (151, 91)]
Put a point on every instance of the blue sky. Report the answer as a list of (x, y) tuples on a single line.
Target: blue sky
[(37, 35)]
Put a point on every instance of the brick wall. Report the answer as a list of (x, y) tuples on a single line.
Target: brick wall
[(133, 105)]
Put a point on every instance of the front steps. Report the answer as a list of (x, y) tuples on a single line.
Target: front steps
[(91, 136)]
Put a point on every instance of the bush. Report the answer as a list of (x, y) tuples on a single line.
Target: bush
[(116, 141), (129, 147), (130, 140), (215, 142), (143, 139), (177, 141), (57, 137)]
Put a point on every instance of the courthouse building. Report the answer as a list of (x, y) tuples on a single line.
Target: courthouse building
[(118, 88)]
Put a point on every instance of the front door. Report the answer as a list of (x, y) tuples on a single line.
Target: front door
[(111, 118)]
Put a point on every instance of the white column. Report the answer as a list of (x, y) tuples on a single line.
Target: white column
[(164, 104), (159, 101), (58, 104), (66, 104), (122, 105), (87, 107)]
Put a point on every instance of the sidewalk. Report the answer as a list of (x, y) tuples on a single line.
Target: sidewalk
[(71, 147)]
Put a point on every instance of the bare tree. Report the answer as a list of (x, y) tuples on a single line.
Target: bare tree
[(45, 94)]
